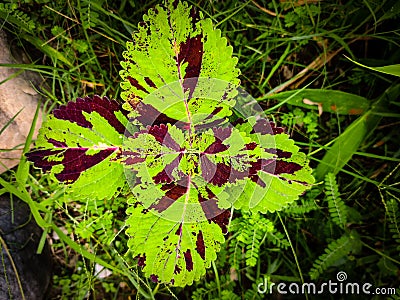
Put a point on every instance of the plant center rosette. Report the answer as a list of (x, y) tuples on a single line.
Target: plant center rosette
[(183, 156)]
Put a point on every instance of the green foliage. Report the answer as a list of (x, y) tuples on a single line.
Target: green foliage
[(301, 207), (297, 117), (335, 251), (78, 45), (333, 101), (187, 170), (392, 12), (390, 69), (210, 290), (279, 65), (101, 225), (156, 76), (11, 13), (61, 136), (88, 16), (301, 16), (251, 230), (153, 61), (174, 252), (337, 207), (73, 286), (350, 140), (253, 294), (281, 190), (394, 221), (395, 296)]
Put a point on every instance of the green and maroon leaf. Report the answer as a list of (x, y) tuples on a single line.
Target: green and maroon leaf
[(73, 111), (179, 69), (176, 194), (281, 173), (80, 144), (172, 251)]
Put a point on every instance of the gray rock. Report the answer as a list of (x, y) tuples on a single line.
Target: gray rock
[(19, 240), (16, 93)]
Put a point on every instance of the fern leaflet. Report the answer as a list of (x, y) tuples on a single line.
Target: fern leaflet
[(394, 218), (10, 13), (252, 230), (302, 208), (334, 252), (337, 209)]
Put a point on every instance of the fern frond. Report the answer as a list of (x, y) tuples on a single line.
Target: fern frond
[(335, 251), (89, 17), (233, 253), (302, 208), (252, 293), (210, 290), (395, 296), (278, 239), (337, 209), (253, 229), (392, 13), (394, 218), (10, 13), (229, 295)]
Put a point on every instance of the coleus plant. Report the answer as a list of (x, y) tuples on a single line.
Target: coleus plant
[(181, 141)]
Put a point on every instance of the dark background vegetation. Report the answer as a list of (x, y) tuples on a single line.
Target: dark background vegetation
[(282, 46)]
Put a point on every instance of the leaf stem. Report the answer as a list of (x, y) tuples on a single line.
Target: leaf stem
[(293, 251), (217, 279), (155, 289), (381, 253)]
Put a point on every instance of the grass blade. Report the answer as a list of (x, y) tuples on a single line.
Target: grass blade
[(347, 143), (390, 69), (330, 100)]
